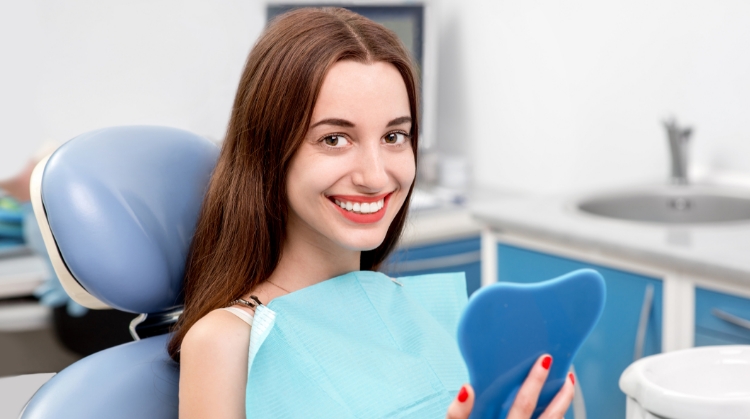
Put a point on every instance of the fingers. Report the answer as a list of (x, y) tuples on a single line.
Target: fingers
[(525, 402), (461, 406), (559, 405)]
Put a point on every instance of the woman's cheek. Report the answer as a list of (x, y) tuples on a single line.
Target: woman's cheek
[(406, 170)]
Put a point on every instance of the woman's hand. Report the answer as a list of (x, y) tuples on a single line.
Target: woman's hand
[(525, 402)]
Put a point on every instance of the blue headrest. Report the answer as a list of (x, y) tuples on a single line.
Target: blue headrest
[(122, 205)]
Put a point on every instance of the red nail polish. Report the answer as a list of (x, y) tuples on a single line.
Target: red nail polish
[(463, 394), (546, 362), (572, 378)]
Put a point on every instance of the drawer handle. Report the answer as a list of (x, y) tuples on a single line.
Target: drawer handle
[(731, 318), (578, 404), (434, 263), (640, 334)]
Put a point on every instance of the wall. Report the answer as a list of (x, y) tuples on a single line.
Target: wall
[(80, 65), (554, 97), (542, 96)]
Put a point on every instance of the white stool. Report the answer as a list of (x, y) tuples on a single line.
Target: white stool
[(695, 383)]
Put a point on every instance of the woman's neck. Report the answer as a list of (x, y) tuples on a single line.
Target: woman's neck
[(309, 260)]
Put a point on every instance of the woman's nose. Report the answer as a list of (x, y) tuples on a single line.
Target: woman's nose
[(370, 170)]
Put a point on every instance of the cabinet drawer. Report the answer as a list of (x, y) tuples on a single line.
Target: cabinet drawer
[(455, 256), (721, 318), (614, 342)]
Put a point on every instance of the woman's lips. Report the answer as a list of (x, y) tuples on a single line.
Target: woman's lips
[(361, 209)]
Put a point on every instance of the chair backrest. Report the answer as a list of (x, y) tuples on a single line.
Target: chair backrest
[(117, 208)]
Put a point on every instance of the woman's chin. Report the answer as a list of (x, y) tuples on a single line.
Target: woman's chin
[(362, 242)]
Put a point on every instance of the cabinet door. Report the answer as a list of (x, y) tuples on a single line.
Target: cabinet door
[(721, 319), (611, 346), (454, 256)]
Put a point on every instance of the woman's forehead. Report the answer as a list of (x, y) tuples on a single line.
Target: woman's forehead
[(355, 91)]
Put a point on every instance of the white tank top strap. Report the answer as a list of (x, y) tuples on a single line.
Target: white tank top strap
[(242, 314)]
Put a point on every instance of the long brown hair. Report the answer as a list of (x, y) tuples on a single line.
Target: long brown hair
[(242, 224)]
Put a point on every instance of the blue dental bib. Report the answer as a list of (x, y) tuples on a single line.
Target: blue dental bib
[(360, 345)]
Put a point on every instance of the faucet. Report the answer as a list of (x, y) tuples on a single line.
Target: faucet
[(678, 140)]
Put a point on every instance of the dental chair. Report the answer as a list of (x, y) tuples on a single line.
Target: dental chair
[(117, 208)]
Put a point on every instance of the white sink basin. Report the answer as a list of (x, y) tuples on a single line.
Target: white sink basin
[(672, 205)]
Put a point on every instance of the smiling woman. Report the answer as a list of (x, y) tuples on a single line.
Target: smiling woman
[(326, 111), (357, 153), (284, 313)]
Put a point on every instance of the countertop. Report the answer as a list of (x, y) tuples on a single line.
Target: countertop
[(718, 251), (16, 391), (20, 273), (428, 226)]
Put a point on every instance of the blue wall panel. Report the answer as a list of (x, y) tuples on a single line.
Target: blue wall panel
[(453, 256)]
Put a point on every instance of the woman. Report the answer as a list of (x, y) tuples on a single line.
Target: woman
[(312, 186)]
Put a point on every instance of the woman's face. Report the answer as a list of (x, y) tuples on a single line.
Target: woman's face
[(354, 168)]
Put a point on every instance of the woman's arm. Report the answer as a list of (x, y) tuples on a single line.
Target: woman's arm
[(213, 367)]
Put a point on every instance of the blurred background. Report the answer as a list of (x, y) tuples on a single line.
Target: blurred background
[(524, 88)]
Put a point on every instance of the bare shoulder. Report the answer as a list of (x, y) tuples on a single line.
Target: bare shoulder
[(213, 367), (219, 329)]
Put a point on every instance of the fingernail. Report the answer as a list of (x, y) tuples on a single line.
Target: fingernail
[(546, 362), (572, 378), (463, 394)]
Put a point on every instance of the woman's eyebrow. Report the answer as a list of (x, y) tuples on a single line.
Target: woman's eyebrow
[(399, 121), (333, 121), (344, 123)]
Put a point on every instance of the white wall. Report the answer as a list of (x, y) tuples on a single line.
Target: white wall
[(550, 97), (74, 66), (543, 96)]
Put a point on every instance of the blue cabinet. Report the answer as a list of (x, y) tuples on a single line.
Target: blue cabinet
[(721, 319), (611, 346), (453, 256)]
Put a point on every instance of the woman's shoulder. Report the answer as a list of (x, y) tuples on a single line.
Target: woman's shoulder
[(220, 330), (213, 366)]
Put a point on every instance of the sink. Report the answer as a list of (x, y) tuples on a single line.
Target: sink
[(678, 204)]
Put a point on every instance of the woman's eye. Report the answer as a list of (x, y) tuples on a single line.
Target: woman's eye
[(395, 138), (335, 140)]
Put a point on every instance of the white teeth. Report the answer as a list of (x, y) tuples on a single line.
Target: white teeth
[(361, 207)]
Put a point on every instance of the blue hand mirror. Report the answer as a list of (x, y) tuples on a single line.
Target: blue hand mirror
[(506, 327)]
